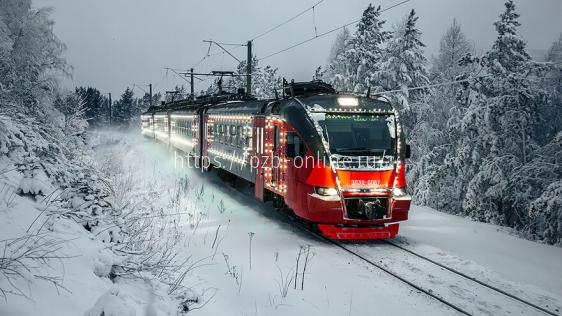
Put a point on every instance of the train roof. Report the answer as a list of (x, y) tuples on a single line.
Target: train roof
[(315, 96), (345, 103)]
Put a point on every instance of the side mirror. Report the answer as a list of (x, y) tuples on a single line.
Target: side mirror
[(408, 152)]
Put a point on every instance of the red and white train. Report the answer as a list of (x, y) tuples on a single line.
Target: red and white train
[(336, 160)]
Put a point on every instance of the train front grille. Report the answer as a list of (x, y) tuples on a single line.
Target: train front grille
[(367, 208)]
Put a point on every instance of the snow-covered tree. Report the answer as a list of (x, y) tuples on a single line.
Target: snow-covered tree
[(318, 73), (403, 64), (264, 80), (96, 106), (356, 63), (145, 102), (453, 47), (125, 110), (555, 52), (266, 83), (178, 93), (553, 84), (506, 120), (337, 64), (489, 151), (546, 214), (30, 55)]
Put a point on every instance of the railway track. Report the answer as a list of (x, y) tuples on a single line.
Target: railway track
[(427, 291), (471, 278)]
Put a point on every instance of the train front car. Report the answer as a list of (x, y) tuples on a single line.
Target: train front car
[(344, 165)]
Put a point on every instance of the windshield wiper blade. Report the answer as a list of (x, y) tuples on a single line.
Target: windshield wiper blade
[(361, 149), (353, 149)]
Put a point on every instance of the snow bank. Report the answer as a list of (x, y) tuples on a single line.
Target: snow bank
[(67, 248)]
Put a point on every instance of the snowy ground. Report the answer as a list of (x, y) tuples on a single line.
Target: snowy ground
[(246, 256)]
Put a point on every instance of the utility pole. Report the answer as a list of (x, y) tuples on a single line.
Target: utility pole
[(110, 109), (150, 92), (192, 84), (249, 69)]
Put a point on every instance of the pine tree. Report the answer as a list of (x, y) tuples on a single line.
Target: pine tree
[(318, 73), (336, 65), (554, 54), (435, 178), (179, 93), (266, 83), (96, 106), (239, 82), (504, 118), (453, 47), (403, 65), (124, 109), (264, 80), (553, 85), (145, 102), (362, 53), (30, 56)]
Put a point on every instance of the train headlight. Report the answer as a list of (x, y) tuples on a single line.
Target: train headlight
[(399, 192), (326, 191), (348, 101)]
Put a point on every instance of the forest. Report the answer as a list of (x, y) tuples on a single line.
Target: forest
[(95, 220), (485, 128)]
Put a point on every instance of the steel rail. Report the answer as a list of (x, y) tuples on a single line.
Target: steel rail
[(457, 272)]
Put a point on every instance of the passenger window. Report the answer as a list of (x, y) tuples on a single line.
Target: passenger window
[(294, 146), (276, 138), (239, 137), (233, 135)]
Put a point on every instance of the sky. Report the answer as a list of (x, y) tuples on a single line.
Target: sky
[(114, 44)]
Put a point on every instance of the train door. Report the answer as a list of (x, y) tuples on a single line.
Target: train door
[(259, 152), (195, 128), (169, 126), (206, 129), (276, 162), (153, 126)]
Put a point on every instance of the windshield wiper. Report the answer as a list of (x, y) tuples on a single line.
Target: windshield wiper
[(360, 149)]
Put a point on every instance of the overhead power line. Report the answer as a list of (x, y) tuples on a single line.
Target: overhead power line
[(237, 46), (434, 85), (177, 74), (328, 32), (287, 21), (452, 82), (139, 87), (224, 49)]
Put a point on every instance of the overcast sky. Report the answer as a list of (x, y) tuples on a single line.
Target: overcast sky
[(113, 44)]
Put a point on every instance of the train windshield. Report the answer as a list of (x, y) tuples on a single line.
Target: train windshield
[(359, 134)]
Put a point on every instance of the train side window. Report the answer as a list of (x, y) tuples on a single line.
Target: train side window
[(246, 137), (233, 136), (276, 138), (294, 147), (239, 137)]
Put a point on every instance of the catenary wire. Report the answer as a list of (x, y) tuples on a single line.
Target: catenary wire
[(328, 32), (287, 21)]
